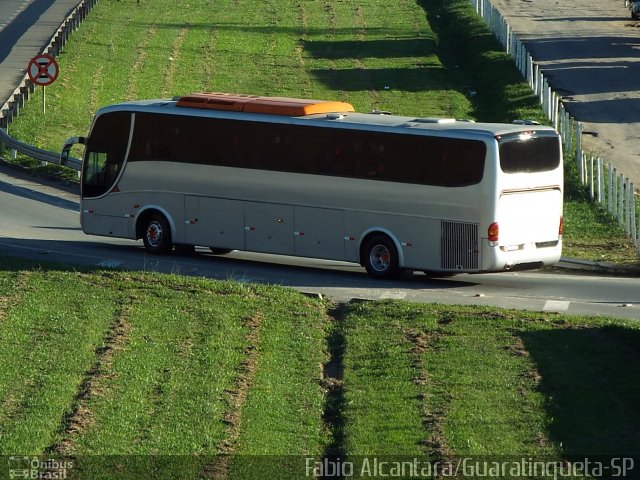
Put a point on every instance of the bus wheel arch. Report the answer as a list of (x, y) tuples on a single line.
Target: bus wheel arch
[(380, 255), (154, 227)]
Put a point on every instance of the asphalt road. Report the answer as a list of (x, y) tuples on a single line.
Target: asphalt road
[(42, 222), (26, 27), (591, 52)]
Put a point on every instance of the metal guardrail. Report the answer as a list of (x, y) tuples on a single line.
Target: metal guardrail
[(38, 153), (21, 94)]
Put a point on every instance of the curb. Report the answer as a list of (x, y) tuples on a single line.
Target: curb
[(44, 178), (579, 265)]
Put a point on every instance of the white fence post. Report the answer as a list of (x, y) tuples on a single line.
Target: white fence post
[(638, 239), (579, 147), (591, 179), (627, 208), (611, 195), (600, 183), (632, 213), (620, 199), (614, 190)]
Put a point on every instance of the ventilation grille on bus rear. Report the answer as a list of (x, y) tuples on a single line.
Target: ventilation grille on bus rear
[(459, 246)]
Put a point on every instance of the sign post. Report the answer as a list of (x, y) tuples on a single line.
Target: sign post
[(43, 70)]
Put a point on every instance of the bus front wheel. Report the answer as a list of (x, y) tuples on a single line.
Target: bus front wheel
[(156, 234), (380, 257)]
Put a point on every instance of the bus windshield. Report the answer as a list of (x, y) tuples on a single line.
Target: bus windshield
[(105, 152)]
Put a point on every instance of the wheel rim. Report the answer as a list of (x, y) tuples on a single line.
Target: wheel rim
[(380, 258), (154, 233)]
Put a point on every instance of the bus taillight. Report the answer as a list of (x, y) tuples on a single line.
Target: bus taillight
[(493, 233), (561, 228)]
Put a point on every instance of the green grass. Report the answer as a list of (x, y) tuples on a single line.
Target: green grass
[(592, 234), (177, 377), (35, 391), (443, 382), (371, 54), (476, 60), (149, 365), (382, 414)]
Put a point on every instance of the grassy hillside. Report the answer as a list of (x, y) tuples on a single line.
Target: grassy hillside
[(154, 376), (373, 54)]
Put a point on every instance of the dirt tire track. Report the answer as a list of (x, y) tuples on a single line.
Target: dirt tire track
[(80, 417), (173, 60), (218, 469), (132, 92), (208, 66), (333, 25), (333, 384), (303, 20), (423, 342)]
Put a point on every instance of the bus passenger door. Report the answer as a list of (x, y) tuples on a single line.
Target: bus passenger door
[(269, 228), (319, 233), (214, 222)]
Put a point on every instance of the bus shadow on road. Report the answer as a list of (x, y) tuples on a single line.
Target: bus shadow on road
[(299, 273)]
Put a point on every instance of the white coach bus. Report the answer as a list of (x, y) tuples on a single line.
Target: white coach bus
[(315, 179)]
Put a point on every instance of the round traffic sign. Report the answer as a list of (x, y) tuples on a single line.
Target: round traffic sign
[(43, 70)]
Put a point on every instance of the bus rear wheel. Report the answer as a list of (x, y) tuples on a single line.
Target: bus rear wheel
[(156, 234), (380, 257)]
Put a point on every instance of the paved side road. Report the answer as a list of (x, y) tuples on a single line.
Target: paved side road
[(591, 50), (26, 27)]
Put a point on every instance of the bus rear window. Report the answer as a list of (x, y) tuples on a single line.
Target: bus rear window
[(522, 153)]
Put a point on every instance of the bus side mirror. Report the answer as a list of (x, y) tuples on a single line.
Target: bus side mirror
[(64, 156), (66, 149)]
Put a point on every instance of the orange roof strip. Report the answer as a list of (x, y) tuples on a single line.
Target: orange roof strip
[(215, 101), (294, 107)]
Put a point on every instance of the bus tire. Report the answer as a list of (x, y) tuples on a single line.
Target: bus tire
[(156, 234), (380, 257)]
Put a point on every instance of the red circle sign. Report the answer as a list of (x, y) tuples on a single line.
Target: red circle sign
[(43, 70)]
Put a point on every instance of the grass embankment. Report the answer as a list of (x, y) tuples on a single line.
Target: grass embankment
[(155, 376), (137, 365), (473, 381), (433, 58)]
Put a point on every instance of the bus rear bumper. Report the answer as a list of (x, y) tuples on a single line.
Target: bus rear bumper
[(520, 257)]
